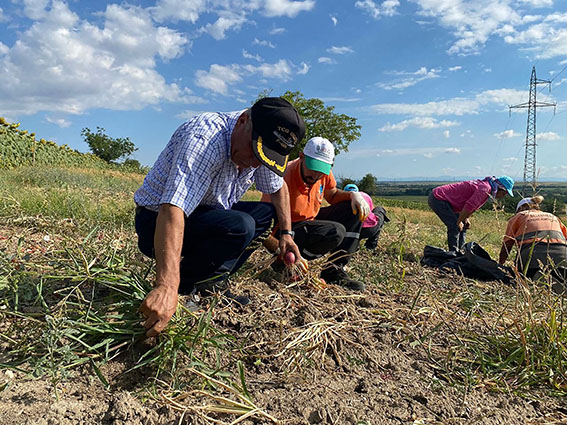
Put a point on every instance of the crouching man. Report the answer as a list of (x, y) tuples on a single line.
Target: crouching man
[(318, 231), (188, 214)]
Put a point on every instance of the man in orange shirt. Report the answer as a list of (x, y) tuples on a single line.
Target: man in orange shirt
[(318, 231)]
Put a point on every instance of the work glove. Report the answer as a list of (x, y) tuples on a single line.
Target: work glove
[(359, 206)]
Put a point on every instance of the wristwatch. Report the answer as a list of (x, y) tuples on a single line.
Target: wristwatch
[(287, 232)]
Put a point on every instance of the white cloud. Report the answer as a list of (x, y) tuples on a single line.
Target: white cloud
[(287, 8), (3, 49), (3, 18), (419, 122), (456, 106), (304, 69), (61, 122), (335, 20), (453, 150), (251, 56), (455, 68), (548, 136), (538, 3), (178, 10), (227, 21), (277, 31), (446, 134), (473, 23), (409, 78), (264, 43), (63, 63), (281, 69), (335, 50), (35, 9), (510, 159), (325, 59), (387, 8), (218, 78), (428, 155), (506, 134)]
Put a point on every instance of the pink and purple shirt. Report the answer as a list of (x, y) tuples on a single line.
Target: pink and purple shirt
[(371, 220), (469, 195)]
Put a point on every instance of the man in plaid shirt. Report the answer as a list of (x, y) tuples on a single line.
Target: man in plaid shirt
[(189, 217)]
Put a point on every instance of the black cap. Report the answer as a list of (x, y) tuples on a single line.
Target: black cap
[(276, 129)]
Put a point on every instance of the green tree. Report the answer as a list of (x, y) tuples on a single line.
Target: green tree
[(343, 181), (368, 184), (106, 147), (321, 120)]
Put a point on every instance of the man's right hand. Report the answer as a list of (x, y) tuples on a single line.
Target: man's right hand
[(158, 307)]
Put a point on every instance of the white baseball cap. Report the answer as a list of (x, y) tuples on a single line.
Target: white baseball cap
[(319, 154)]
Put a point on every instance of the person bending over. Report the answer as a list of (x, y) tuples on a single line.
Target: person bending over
[(318, 231)]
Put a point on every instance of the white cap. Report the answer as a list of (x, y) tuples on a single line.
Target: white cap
[(320, 154), (523, 202)]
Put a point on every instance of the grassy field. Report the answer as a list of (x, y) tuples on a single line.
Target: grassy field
[(71, 280)]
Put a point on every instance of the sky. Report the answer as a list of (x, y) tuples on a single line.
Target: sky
[(429, 81)]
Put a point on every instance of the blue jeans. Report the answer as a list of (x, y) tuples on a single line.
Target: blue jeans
[(215, 241), (444, 210)]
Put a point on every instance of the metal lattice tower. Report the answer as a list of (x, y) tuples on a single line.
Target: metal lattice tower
[(530, 154)]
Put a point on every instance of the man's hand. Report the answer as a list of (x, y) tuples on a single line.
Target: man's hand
[(158, 307), (467, 224), (359, 205), (286, 244), (460, 225)]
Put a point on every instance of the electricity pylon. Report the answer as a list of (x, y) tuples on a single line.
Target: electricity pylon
[(530, 155)]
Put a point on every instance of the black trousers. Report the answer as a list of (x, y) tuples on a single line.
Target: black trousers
[(371, 234), (216, 242), (335, 229)]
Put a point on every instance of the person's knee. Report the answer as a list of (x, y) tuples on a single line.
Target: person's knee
[(243, 228), (267, 212), (338, 233)]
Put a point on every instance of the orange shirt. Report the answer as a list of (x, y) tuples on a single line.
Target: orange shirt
[(305, 200), (534, 225)]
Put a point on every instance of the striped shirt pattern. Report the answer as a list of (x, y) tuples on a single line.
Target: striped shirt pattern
[(195, 168)]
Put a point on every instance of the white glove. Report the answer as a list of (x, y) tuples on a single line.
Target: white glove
[(359, 205)]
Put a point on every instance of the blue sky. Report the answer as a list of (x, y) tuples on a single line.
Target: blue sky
[(429, 81)]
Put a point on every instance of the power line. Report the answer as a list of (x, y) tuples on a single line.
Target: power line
[(530, 150)]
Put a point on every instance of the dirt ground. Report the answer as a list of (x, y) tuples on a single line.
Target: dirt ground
[(311, 357)]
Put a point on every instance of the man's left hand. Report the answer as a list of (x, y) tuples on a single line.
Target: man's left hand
[(287, 244)]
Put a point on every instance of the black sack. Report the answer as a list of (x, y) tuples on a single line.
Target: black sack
[(435, 257), (481, 260), (474, 262)]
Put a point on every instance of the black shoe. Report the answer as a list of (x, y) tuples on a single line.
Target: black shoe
[(337, 276), (239, 299)]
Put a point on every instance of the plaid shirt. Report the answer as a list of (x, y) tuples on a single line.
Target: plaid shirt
[(195, 168)]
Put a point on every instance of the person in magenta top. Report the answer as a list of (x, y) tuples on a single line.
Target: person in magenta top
[(454, 204), (372, 226)]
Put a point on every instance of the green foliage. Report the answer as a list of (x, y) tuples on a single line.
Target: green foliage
[(19, 148), (368, 184), (108, 148), (321, 120)]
